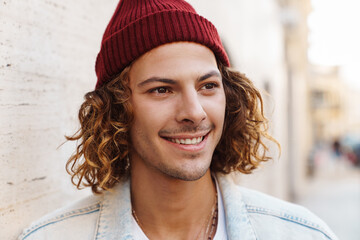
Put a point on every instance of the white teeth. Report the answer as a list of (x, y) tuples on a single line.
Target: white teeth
[(187, 141)]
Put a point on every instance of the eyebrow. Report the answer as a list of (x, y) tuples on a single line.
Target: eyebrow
[(209, 75), (171, 81), (156, 79)]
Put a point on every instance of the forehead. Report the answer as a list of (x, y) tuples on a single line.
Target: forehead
[(180, 59)]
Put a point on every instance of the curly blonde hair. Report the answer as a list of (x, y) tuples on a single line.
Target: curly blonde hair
[(106, 116)]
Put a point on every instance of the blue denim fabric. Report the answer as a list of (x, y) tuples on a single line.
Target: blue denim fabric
[(249, 214)]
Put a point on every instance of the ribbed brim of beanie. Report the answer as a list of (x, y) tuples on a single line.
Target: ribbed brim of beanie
[(138, 26)]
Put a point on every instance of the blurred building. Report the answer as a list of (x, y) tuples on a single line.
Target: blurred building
[(328, 106), (352, 110), (335, 117)]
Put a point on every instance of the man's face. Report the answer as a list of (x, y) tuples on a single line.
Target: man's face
[(179, 106)]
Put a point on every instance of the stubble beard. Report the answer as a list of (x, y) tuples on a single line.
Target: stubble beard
[(185, 173)]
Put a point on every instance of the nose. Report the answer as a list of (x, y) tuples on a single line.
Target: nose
[(190, 109)]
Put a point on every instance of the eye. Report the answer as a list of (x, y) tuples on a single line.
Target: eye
[(209, 86), (160, 90)]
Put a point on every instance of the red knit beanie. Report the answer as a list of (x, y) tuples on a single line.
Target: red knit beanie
[(138, 26)]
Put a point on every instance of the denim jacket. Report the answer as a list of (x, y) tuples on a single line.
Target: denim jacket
[(249, 215)]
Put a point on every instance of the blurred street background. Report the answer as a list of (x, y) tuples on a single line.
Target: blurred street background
[(304, 56)]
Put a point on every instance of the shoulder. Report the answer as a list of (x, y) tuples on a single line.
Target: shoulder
[(273, 218), (74, 221), (263, 208)]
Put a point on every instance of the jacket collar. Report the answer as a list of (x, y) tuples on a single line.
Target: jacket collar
[(115, 221), (115, 214), (238, 223)]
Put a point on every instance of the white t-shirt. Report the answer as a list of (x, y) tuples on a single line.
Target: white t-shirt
[(221, 226)]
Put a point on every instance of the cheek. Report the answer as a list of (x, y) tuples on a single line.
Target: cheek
[(215, 108), (150, 116)]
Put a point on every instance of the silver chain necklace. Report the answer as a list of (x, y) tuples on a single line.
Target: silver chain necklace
[(210, 223)]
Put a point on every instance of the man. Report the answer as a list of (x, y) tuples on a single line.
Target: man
[(167, 122)]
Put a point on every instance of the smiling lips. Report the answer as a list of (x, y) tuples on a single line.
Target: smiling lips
[(187, 140)]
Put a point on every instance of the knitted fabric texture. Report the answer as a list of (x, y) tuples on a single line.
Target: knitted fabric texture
[(138, 26)]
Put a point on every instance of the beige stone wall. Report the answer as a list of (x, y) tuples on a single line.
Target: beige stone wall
[(48, 51)]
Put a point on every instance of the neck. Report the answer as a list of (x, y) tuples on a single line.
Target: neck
[(169, 208)]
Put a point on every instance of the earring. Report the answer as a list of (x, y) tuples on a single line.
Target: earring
[(127, 162)]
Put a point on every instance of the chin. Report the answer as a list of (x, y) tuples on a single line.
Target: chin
[(189, 174)]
